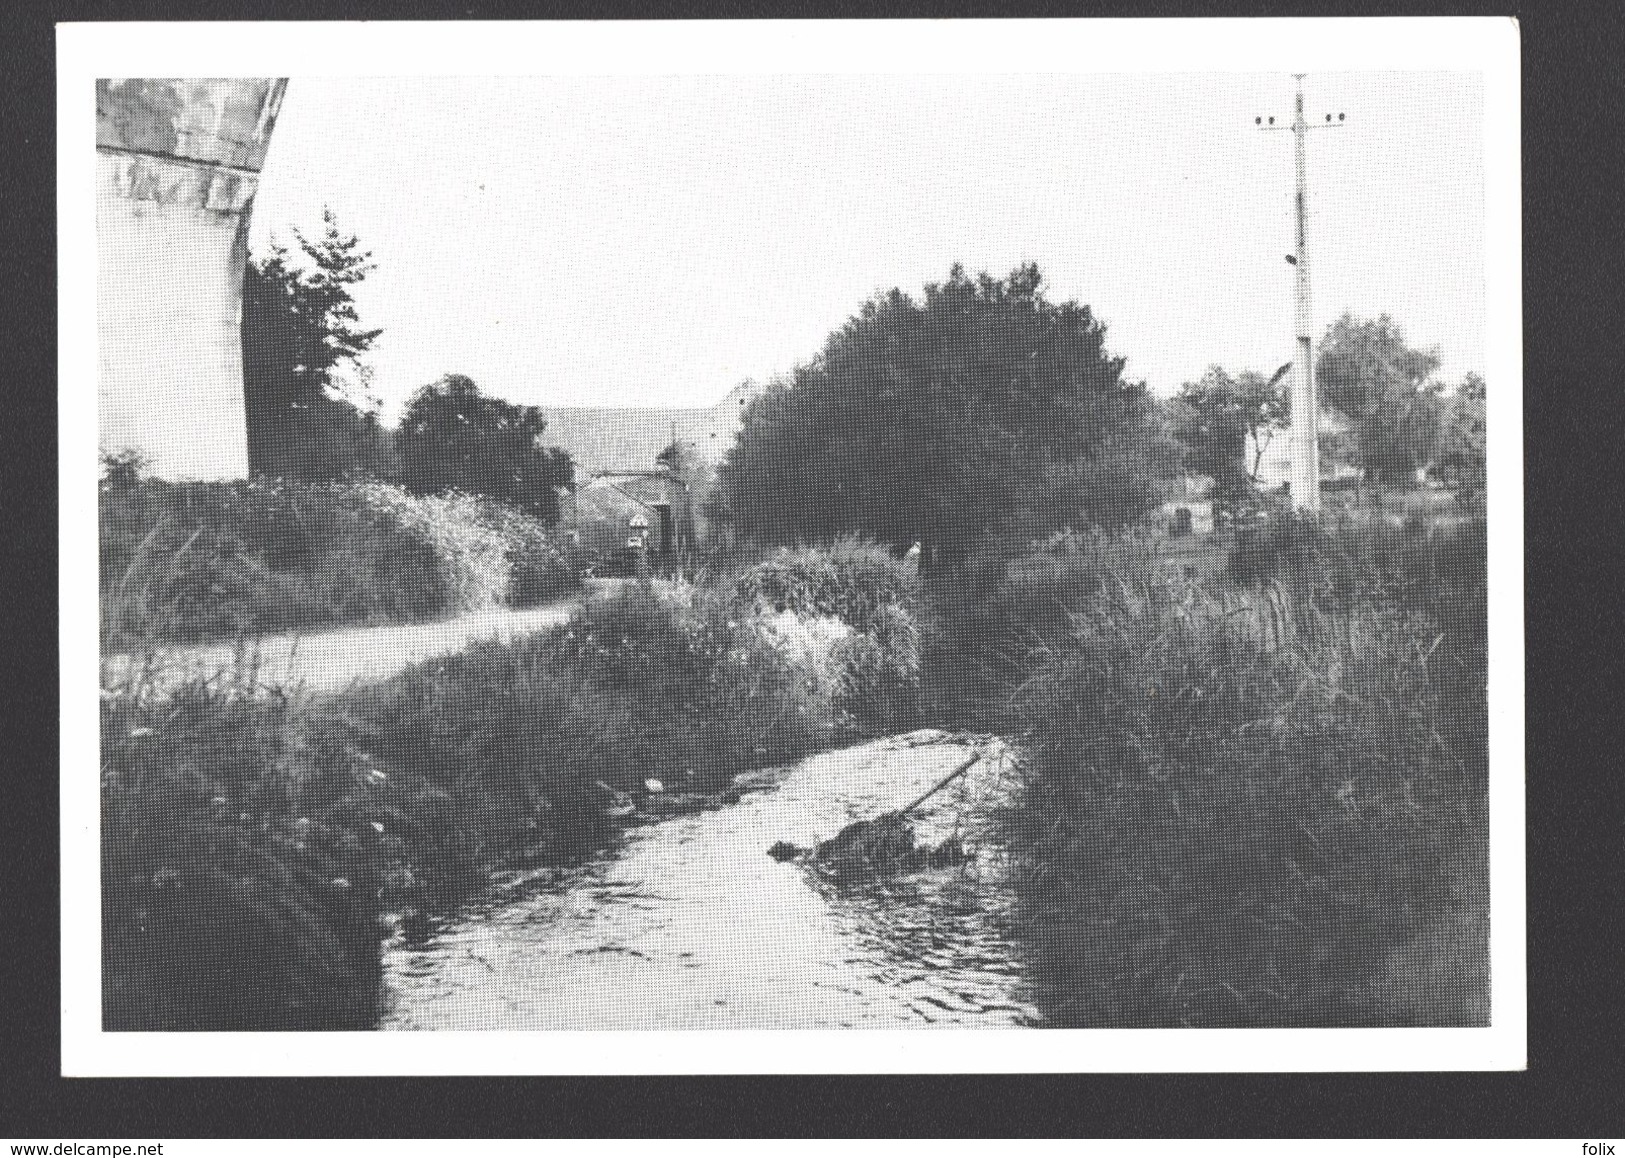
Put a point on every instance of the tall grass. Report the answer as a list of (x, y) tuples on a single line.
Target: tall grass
[(1002, 616), (251, 843), (183, 562), (1261, 803), (243, 854)]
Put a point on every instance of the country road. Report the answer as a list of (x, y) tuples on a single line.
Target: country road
[(333, 660)]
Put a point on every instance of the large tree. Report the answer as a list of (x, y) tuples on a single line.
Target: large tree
[(1388, 392), (1220, 417), (300, 330), (453, 437), (983, 410), (1461, 442)]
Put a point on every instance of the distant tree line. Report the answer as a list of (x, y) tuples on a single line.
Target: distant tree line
[(312, 417), (1401, 417), (983, 411), (1397, 416), (979, 411)]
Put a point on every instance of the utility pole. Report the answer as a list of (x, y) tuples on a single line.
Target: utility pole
[(1305, 404)]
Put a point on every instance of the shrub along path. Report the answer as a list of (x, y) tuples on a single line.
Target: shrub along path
[(334, 660)]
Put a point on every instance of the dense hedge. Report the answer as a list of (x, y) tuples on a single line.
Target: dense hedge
[(195, 561)]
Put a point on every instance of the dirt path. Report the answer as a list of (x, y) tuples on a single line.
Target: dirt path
[(331, 661)]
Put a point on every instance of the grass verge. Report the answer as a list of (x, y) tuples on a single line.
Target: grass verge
[(253, 845)]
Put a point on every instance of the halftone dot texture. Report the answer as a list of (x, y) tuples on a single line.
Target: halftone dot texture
[(1252, 786), (691, 926)]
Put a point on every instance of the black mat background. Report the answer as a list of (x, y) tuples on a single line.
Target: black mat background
[(1573, 76)]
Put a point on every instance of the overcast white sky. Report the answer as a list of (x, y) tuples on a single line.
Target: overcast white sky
[(653, 240)]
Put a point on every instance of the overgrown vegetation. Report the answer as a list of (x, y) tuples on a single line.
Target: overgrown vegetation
[(184, 562), (1260, 801), (251, 845), (877, 605), (1225, 423), (1401, 416), (999, 618), (981, 411), (1256, 799), (241, 865), (455, 438)]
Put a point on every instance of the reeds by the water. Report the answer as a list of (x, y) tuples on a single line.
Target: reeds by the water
[(1262, 802)]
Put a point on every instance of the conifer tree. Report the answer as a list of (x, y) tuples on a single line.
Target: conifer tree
[(300, 328)]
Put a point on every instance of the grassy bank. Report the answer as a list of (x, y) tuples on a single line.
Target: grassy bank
[(1252, 797), (251, 845), (187, 562), (240, 863), (1259, 800)]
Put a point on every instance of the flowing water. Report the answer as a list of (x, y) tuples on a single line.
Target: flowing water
[(689, 924)]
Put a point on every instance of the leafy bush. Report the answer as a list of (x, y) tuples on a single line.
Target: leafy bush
[(1262, 805), (187, 561), (463, 533), (539, 567), (241, 868), (196, 561), (879, 597), (851, 579)]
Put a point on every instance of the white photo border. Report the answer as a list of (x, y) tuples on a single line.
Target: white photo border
[(1488, 46)]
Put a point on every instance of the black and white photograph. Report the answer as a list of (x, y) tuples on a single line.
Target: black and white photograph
[(1001, 531)]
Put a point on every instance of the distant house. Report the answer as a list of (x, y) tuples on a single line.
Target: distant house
[(623, 493), (1275, 465), (606, 439), (651, 510)]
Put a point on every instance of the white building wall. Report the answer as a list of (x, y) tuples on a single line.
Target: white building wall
[(177, 166)]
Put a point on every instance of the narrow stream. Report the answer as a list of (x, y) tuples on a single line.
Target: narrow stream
[(689, 924)]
